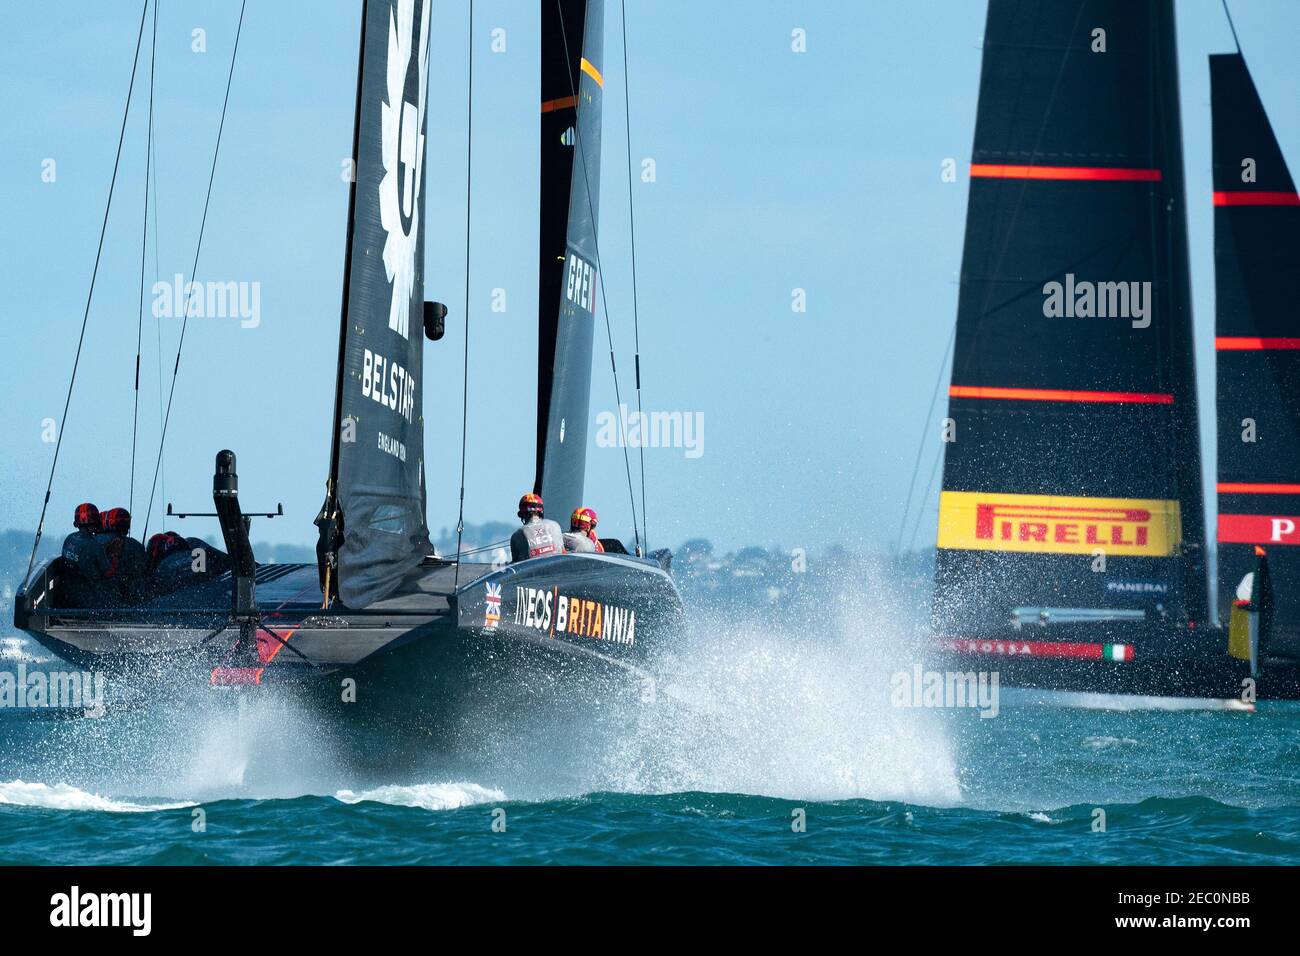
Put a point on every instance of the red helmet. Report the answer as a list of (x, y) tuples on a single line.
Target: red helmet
[(529, 505), (582, 519), (163, 544), (116, 521), (86, 517)]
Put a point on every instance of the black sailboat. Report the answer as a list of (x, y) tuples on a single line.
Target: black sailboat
[(1257, 348), (380, 607), (1071, 545)]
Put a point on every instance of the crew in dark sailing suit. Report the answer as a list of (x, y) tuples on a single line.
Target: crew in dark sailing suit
[(128, 563), (581, 536), (170, 562), (215, 561), (539, 536), (174, 562), (84, 561)]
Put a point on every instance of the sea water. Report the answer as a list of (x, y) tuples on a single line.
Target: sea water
[(771, 738)]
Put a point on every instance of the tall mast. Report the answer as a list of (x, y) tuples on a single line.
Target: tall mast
[(571, 87)]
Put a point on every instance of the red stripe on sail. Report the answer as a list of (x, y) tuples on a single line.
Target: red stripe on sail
[(1257, 488), (1259, 529), (564, 102), (1093, 173), (1244, 198), (1247, 344), (1058, 395)]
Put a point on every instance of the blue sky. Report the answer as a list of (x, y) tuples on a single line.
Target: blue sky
[(776, 171)]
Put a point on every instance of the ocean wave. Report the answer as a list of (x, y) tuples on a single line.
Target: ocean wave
[(425, 796), (62, 796)]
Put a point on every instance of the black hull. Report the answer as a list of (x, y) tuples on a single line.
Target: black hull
[(1202, 672), (421, 663)]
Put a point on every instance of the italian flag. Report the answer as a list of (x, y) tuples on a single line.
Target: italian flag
[(1117, 652)]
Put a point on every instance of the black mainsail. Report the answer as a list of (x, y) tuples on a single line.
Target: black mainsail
[(1257, 343), (1071, 482), (377, 466), (572, 41)]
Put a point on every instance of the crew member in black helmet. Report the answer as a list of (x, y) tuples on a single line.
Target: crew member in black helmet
[(84, 561)]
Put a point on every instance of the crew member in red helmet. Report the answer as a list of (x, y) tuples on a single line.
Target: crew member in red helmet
[(84, 561), (128, 562), (539, 536), (581, 537)]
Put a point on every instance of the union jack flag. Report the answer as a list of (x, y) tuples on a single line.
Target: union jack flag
[(492, 611)]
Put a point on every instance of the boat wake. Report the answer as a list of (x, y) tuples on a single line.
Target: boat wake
[(425, 796), (758, 709), (18, 793), (792, 712)]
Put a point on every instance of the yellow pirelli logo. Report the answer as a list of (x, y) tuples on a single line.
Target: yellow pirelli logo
[(984, 521)]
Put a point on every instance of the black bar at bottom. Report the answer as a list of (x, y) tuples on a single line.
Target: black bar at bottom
[(930, 904)]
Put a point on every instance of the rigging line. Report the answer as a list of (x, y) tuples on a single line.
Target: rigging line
[(604, 301), (198, 247), (85, 317), (920, 511), (144, 254), (631, 223), (157, 322), (1231, 26), (925, 426), (469, 195)]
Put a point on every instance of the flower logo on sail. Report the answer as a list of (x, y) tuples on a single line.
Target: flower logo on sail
[(402, 149)]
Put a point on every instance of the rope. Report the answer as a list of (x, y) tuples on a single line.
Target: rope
[(144, 252), (609, 334), (631, 223), (85, 317), (469, 192), (920, 449), (920, 511), (1231, 26), (483, 549), (157, 323), (198, 247)]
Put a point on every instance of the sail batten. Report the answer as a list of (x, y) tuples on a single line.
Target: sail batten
[(1257, 347), (568, 274), (1071, 469), (377, 481)]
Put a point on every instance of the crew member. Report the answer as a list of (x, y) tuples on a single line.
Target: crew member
[(539, 536), (581, 537), (170, 562), (84, 561), (127, 560)]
